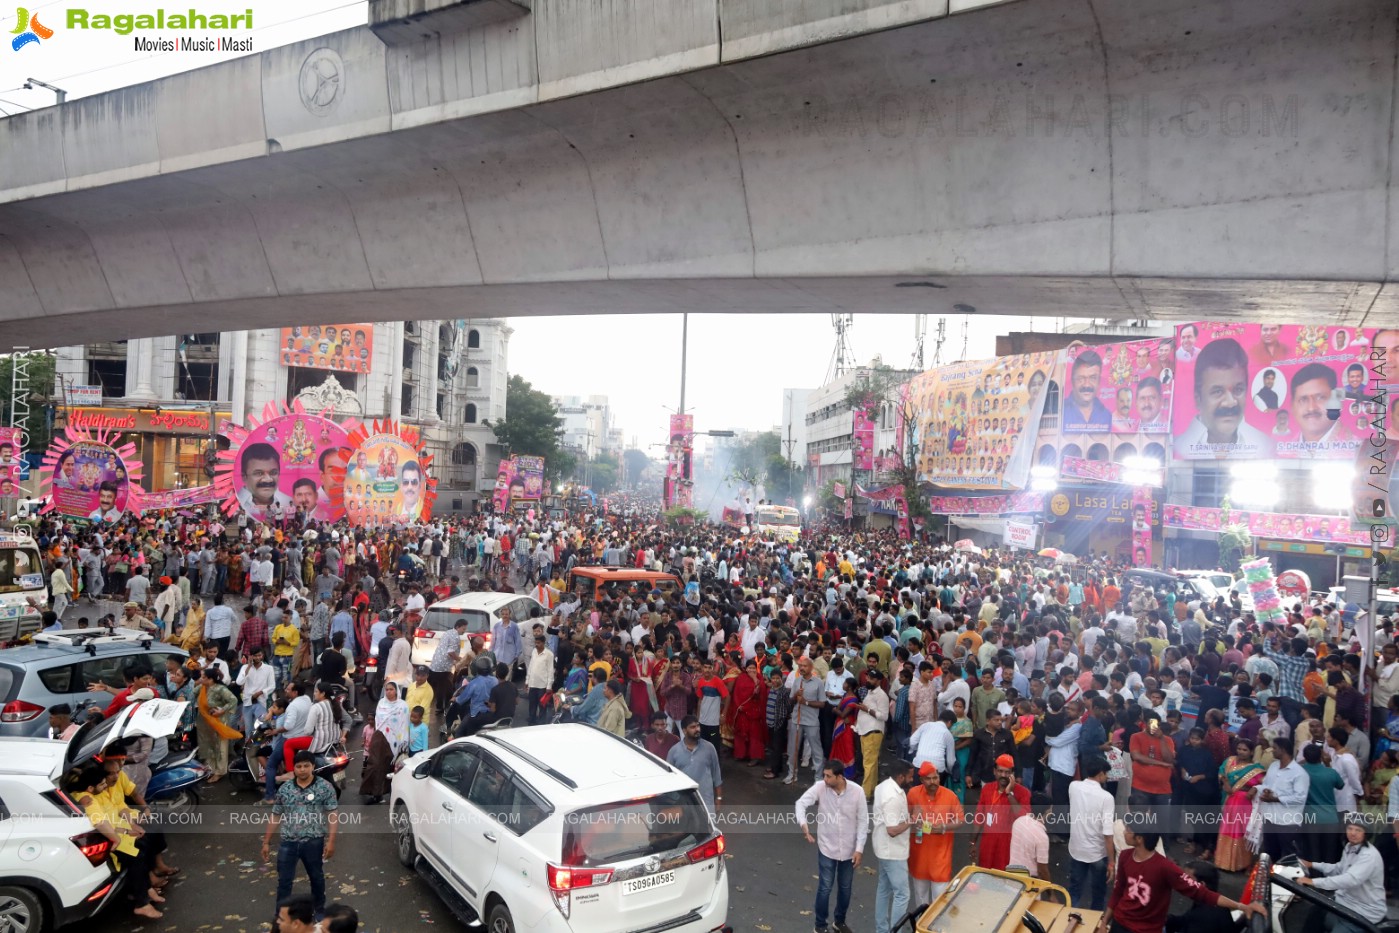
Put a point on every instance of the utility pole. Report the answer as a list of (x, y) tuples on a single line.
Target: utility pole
[(684, 355)]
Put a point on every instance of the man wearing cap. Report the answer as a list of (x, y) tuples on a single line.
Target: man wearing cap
[(1000, 805), (936, 814), (890, 839)]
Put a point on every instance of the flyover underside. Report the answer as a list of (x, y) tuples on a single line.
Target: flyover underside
[(1103, 158)]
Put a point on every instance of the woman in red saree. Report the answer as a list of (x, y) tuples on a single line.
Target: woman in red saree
[(843, 735), (749, 702), (641, 692), (732, 657)]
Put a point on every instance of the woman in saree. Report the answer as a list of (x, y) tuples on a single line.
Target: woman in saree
[(641, 681), (218, 709), (191, 637), (237, 572), (1240, 778), (962, 733), (843, 735), (729, 660), (389, 740), (750, 702)]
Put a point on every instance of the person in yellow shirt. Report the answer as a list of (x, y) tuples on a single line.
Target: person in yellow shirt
[(847, 569), (286, 637), (420, 691)]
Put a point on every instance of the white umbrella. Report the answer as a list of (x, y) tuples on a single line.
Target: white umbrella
[(1066, 558), (966, 544)]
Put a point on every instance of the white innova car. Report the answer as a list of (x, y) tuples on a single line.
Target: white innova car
[(561, 828)]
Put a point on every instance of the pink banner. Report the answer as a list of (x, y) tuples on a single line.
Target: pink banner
[(901, 520), (1285, 526), (173, 498), (849, 508), (839, 489), (886, 494), (1261, 391), (504, 474), (863, 438), (1016, 503), (1104, 471), (1141, 526), (1118, 388)]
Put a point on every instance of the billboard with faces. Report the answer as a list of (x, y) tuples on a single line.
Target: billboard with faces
[(1118, 388), (1269, 391)]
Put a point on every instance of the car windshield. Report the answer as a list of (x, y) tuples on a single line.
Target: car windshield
[(784, 517), (632, 829), (442, 619), (19, 570), (981, 903)]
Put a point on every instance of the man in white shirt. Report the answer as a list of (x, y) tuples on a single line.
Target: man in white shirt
[(956, 689), (889, 838), (415, 602), (1092, 860), (259, 683), (869, 727), (933, 742)]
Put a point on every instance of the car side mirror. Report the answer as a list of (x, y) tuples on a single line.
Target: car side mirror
[(423, 770)]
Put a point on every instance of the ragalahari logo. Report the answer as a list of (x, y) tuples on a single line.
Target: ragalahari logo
[(28, 30)]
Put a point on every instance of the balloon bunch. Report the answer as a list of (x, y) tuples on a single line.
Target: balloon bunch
[(1267, 604)]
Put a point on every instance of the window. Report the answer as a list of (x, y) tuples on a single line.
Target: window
[(455, 768), (105, 670), (1047, 455), (1098, 452), (1211, 485), (1122, 452), (1072, 450), (473, 340), (58, 679), (473, 377), (492, 790), (635, 828), (1051, 398), (464, 454), (1155, 451), (406, 406), (470, 413), (410, 355), (441, 405), (527, 809)]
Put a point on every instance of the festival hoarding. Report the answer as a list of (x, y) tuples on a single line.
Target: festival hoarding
[(838, 489), (862, 440), (975, 422), (1143, 508), (288, 457), (1117, 388), (901, 519), (1284, 526), (1108, 471), (343, 347), (519, 479), (503, 474), (89, 475), (173, 498), (386, 479), (1261, 391), (1018, 503), (679, 481)]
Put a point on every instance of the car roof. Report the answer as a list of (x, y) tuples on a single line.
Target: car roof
[(32, 757), (590, 759), (487, 602), (622, 573), (30, 655)]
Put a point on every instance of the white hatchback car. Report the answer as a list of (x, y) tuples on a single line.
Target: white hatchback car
[(561, 828)]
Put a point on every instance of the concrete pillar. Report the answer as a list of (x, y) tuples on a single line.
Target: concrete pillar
[(140, 370), (237, 384)]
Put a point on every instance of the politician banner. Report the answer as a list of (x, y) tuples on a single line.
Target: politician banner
[(1268, 391), (345, 347), (975, 422), (173, 498), (1019, 503), (862, 440), (1118, 388), (1284, 526), (1142, 510)]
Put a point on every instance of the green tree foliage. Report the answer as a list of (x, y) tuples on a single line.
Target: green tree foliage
[(532, 427), (1235, 542), (760, 461), (42, 400), (637, 464)]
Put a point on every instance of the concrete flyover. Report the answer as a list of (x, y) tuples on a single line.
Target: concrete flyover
[(1109, 158)]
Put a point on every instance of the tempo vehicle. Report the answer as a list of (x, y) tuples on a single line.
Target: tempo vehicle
[(592, 584), (24, 589), (778, 521), (561, 828)]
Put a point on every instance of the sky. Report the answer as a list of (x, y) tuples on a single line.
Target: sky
[(739, 365)]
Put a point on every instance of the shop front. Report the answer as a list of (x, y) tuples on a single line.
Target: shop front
[(171, 443), (1325, 564), (1094, 518)]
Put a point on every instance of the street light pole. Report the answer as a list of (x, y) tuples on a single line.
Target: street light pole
[(684, 354)]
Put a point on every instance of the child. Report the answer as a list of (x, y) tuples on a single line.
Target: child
[(417, 731)]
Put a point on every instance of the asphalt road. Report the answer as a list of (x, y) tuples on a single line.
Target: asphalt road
[(226, 887)]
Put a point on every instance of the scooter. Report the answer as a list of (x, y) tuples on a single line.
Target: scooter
[(175, 782), (248, 772)]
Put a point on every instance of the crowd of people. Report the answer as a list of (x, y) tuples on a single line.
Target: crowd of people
[(1020, 701)]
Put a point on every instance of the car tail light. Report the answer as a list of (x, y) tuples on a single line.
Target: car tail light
[(94, 846), (19, 711), (423, 633), (714, 848), (563, 881), (100, 892)]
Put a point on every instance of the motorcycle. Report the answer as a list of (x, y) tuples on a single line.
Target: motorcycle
[(249, 771), (175, 782)]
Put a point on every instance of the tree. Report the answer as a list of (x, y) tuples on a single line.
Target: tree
[(637, 464), (759, 461), (39, 423), (532, 427), (1234, 540)]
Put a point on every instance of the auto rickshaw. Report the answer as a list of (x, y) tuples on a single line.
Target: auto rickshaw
[(983, 900)]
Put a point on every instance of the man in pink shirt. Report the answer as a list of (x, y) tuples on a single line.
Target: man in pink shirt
[(1029, 842)]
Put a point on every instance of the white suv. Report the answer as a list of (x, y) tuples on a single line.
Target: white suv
[(561, 828), (53, 864)]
